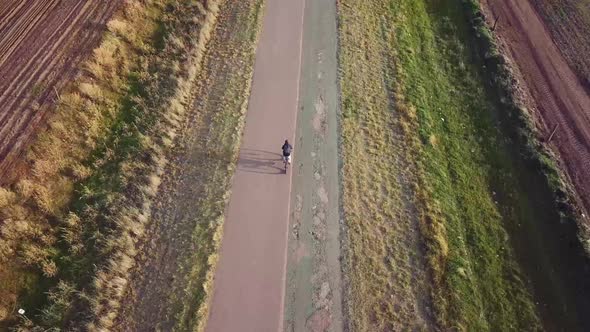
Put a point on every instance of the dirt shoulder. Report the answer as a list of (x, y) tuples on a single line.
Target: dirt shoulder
[(169, 286), (42, 44), (557, 98), (314, 284)]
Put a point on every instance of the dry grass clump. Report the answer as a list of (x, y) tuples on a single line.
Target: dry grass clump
[(6, 197), (60, 298), (413, 88), (111, 280)]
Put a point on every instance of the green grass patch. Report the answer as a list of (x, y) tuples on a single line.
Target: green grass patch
[(385, 265), (495, 214), (467, 167)]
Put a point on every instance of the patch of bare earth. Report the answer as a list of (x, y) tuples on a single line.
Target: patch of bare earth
[(569, 24), (42, 44), (557, 97), (169, 286)]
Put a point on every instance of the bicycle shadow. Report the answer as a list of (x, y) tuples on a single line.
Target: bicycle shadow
[(261, 162)]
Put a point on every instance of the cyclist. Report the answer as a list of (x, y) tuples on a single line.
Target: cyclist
[(287, 149)]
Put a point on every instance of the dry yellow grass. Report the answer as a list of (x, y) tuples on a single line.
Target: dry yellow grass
[(387, 272), (111, 280), (83, 114)]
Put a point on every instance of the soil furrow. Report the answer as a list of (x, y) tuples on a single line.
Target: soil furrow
[(37, 63), (21, 28), (558, 97), (61, 38), (40, 67), (5, 17), (14, 125)]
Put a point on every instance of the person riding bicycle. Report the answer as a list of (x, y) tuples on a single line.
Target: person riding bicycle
[(287, 149)]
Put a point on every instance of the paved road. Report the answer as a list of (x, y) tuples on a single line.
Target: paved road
[(250, 277), (314, 285)]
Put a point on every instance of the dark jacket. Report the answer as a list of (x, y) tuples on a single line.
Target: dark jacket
[(287, 148)]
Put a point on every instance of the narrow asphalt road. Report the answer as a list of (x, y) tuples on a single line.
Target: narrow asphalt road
[(249, 284), (314, 282)]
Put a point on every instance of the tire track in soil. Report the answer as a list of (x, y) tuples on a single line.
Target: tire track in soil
[(558, 97), (42, 44), (16, 27), (569, 24)]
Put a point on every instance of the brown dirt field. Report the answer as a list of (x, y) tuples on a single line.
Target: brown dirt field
[(42, 44), (569, 24), (558, 98)]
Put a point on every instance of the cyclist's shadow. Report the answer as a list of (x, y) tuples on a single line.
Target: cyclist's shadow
[(259, 161)]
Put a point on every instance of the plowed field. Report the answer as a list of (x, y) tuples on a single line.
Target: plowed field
[(42, 43), (569, 24), (559, 98)]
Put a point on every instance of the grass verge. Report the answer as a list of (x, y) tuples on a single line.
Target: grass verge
[(558, 240), (387, 272), (465, 167), (32, 209), (415, 89), (225, 131)]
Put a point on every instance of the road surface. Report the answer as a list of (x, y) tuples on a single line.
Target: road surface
[(314, 284), (249, 283)]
